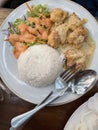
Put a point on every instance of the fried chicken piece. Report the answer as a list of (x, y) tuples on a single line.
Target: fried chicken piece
[(73, 21), (77, 57), (53, 39), (58, 16), (62, 31), (77, 37)]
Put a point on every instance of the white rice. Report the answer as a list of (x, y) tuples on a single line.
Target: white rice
[(40, 65)]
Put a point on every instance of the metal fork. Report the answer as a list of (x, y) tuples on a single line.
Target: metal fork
[(59, 90)]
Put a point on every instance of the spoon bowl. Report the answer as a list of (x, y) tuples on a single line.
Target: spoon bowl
[(83, 81)]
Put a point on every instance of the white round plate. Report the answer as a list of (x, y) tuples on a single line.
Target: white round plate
[(90, 106), (8, 63), (75, 118)]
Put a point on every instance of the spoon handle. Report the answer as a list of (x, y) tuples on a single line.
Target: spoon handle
[(21, 119)]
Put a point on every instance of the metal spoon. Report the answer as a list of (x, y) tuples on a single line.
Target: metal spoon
[(82, 82)]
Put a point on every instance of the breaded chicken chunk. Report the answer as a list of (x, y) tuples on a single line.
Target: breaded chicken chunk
[(62, 31), (73, 21), (58, 16), (53, 39), (78, 36), (77, 57)]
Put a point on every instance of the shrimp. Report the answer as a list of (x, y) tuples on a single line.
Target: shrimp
[(34, 20), (39, 23), (46, 21), (27, 37), (33, 31), (22, 28), (45, 35), (19, 48), (40, 28), (13, 38)]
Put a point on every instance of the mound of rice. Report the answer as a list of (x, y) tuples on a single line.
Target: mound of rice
[(39, 65)]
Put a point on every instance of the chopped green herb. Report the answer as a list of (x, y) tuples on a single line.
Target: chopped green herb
[(34, 43), (44, 40), (24, 43), (33, 25), (44, 26)]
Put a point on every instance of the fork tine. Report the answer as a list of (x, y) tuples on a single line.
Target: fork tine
[(68, 74), (67, 71), (71, 76)]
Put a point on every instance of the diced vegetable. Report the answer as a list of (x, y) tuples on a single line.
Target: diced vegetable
[(34, 43), (38, 11)]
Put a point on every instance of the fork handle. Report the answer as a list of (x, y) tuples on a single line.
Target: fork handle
[(21, 119), (50, 93)]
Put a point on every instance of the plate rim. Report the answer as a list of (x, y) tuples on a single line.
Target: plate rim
[(3, 78)]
